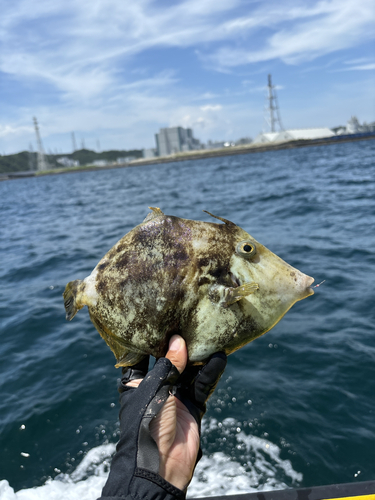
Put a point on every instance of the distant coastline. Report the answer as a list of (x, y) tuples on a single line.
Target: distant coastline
[(197, 155)]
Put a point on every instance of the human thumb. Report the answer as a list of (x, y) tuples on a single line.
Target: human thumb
[(177, 352)]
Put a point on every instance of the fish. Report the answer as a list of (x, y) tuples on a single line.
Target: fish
[(212, 283)]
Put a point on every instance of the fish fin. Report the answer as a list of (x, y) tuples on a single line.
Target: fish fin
[(227, 222), (226, 296), (130, 358), (70, 299), (156, 212)]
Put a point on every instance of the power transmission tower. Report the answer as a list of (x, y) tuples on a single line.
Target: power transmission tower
[(32, 165), (74, 142), (272, 111), (42, 163)]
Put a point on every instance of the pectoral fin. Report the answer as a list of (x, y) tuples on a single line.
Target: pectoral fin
[(226, 296), (232, 295)]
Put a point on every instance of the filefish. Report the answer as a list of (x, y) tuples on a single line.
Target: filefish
[(212, 283)]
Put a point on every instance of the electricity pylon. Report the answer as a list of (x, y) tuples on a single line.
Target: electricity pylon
[(42, 163), (272, 111), (74, 142)]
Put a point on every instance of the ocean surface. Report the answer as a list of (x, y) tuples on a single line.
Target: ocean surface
[(295, 408)]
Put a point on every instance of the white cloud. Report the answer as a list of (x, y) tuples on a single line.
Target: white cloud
[(321, 29), (86, 55), (360, 60), (78, 46), (11, 130), (211, 107), (207, 95), (363, 67)]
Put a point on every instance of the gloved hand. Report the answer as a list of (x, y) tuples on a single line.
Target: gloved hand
[(160, 425)]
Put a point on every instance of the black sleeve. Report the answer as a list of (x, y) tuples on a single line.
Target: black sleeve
[(134, 473)]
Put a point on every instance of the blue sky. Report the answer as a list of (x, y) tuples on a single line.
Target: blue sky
[(118, 70)]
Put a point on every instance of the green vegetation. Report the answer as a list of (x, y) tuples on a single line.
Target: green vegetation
[(20, 162), (26, 161), (85, 156)]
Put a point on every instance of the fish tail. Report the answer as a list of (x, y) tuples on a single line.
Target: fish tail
[(71, 303)]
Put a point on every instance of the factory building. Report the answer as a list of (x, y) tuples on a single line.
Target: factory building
[(353, 126), (293, 135), (175, 139)]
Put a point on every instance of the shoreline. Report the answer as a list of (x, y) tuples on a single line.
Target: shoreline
[(196, 155)]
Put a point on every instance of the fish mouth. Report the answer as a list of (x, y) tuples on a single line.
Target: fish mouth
[(316, 286), (309, 288)]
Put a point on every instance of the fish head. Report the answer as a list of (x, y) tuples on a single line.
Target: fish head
[(279, 285)]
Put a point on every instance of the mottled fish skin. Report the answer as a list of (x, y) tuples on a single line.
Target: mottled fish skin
[(171, 275)]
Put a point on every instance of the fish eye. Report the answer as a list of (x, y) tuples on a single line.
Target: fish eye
[(246, 249)]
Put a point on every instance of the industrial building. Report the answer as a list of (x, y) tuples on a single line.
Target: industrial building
[(175, 139), (353, 126), (149, 153), (293, 135)]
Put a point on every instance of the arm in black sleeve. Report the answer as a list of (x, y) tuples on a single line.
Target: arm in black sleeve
[(134, 473)]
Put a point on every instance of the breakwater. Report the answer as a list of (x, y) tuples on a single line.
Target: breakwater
[(201, 154)]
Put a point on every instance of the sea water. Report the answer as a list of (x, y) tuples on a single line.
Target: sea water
[(295, 408)]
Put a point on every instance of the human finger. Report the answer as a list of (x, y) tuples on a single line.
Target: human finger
[(132, 376), (208, 378), (198, 383), (177, 352)]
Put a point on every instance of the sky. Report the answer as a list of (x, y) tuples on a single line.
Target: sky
[(115, 71)]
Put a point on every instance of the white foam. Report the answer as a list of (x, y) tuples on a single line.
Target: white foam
[(85, 483), (219, 474), (216, 474)]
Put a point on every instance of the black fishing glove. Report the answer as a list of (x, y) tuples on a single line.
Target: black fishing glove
[(134, 473)]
